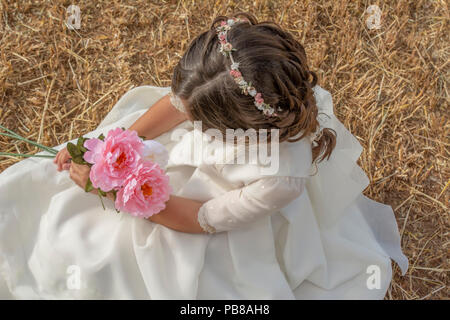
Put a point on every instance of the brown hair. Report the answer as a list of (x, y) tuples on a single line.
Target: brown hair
[(273, 61)]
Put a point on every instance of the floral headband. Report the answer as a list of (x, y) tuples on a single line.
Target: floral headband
[(226, 48)]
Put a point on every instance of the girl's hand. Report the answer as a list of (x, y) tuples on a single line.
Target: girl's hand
[(62, 159), (79, 173)]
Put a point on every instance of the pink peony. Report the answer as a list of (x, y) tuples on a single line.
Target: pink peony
[(145, 191), (114, 158)]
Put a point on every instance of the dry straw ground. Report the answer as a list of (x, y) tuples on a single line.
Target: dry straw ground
[(390, 88)]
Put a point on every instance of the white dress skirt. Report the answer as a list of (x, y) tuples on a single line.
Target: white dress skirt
[(314, 236)]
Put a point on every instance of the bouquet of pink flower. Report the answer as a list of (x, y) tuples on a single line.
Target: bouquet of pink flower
[(122, 163), (128, 166)]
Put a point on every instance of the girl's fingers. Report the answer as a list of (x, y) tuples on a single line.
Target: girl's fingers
[(58, 162), (59, 156), (66, 156), (61, 160), (55, 160)]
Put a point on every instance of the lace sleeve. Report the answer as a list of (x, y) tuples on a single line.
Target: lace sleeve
[(176, 102), (243, 206), (202, 220)]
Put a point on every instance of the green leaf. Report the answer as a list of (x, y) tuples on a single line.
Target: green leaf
[(80, 142), (80, 145), (101, 137), (78, 159), (73, 150), (102, 193), (123, 128), (89, 187), (142, 137)]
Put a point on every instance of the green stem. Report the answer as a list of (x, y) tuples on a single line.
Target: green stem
[(100, 196), (26, 155), (24, 139), (7, 130), (48, 149)]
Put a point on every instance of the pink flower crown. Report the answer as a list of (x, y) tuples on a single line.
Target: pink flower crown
[(226, 48)]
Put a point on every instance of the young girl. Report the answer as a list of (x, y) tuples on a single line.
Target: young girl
[(229, 230)]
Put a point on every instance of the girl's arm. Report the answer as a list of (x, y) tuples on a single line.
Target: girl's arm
[(180, 214), (161, 117)]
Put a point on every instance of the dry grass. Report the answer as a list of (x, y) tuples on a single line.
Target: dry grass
[(390, 88)]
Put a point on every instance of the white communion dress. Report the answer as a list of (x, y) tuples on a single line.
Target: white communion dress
[(300, 233)]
